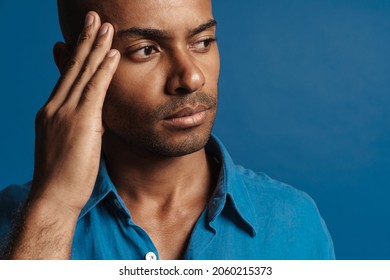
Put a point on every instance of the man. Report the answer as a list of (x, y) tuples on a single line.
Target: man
[(125, 167)]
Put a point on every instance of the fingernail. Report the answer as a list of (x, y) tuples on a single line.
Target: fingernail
[(103, 30), (112, 53), (89, 20)]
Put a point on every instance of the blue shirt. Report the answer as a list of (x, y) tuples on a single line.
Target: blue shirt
[(249, 216)]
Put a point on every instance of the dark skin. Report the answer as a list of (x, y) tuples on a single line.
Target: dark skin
[(142, 88)]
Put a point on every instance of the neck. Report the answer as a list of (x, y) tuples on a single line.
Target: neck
[(143, 177)]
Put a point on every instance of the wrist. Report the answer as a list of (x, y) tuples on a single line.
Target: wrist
[(50, 207), (58, 197)]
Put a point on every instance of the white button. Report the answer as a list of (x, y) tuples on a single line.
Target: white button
[(150, 256), (117, 203)]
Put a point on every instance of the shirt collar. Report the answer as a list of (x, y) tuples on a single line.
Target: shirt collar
[(103, 186), (230, 185)]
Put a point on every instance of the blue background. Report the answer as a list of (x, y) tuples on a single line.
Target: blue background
[(304, 97)]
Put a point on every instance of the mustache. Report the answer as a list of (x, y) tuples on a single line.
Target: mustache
[(189, 100)]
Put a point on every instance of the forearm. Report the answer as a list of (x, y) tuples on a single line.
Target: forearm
[(44, 231)]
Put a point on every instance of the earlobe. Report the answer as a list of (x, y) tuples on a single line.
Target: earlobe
[(62, 54)]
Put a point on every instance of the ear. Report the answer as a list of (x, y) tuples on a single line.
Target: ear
[(62, 54)]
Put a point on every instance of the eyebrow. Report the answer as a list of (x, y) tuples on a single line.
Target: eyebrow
[(152, 33), (203, 27)]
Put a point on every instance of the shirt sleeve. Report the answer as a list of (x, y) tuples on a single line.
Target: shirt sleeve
[(12, 199)]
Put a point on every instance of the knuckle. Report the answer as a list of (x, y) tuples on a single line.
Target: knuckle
[(62, 114), (44, 116), (87, 69), (73, 62), (98, 45), (86, 98), (84, 36), (63, 117), (44, 113), (49, 120), (91, 86), (79, 81), (41, 115)]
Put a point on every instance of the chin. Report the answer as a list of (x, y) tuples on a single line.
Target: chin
[(179, 144)]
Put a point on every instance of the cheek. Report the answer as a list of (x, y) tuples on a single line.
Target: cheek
[(138, 77), (211, 67), (131, 97), (216, 65)]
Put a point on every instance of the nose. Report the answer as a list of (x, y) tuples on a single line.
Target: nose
[(185, 76)]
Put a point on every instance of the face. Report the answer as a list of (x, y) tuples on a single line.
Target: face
[(163, 97)]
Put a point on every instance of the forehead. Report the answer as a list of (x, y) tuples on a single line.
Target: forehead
[(161, 14)]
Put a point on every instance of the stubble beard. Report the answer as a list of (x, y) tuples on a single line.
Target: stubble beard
[(167, 143), (195, 139)]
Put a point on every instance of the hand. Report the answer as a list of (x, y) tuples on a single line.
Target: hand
[(69, 126)]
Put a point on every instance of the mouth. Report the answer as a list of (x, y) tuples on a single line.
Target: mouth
[(187, 117)]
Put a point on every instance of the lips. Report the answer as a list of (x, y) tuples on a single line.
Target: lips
[(187, 118), (187, 112)]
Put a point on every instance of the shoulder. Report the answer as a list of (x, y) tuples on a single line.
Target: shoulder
[(12, 198), (277, 198), (265, 188), (287, 212)]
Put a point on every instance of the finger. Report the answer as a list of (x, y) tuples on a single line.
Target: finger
[(82, 50), (97, 55), (95, 90)]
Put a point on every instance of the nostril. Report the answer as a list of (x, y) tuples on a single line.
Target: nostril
[(182, 90)]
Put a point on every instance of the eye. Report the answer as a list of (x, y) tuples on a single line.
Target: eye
[(146, 51), (143, 53), (203, 45)]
